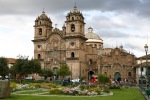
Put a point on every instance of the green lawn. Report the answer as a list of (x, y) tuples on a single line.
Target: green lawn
[(122, 94)]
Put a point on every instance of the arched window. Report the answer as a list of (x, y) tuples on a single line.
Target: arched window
[(72, 54), (90, 61), (129, 73), (39, 56), (95, 45), (38, 45), (73, 18), (40, 31), (99, 46), (55, 69), (72, 28)]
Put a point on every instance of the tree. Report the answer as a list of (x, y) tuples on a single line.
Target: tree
[(4, 70), (46, 73), (35, 66), (103, 79), (64, 70), (23, 67)]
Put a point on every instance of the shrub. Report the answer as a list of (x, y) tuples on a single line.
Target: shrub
[(55, 91), (13, 86), (106, 89), (92, 85), (36, 85), (95, 89), (45, 85), (114, 86), (103, 79), (83, 86), (51, 85), (40, 81)]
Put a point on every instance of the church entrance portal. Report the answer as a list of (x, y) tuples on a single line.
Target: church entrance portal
[(90, 73), (117, 76)]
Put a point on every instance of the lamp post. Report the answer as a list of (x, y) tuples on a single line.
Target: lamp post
[(147, 78), (80, 71), (101, 64), (100, 61), (71, 71), (44, 71), (89, 71), (141, 69)]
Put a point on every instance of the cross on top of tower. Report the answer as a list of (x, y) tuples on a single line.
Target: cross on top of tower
[(43, 11), (75, 5)]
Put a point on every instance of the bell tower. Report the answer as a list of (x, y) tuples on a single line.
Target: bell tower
[(43, 26), (42, 30), (75, 22), (75, 42)]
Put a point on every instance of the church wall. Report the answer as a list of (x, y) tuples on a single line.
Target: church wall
[(75, 65), (70, 47), (118, 61)]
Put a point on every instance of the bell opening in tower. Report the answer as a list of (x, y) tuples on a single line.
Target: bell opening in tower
[(72, 27)]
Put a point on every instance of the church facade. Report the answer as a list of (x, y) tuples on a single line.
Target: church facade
[(83, 53)]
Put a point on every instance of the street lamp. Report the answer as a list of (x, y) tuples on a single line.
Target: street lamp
[(141, 69), (100, 61), (147, 79), (80, 69), (101, 64), (44, 71), (89, 71), (71, 71)]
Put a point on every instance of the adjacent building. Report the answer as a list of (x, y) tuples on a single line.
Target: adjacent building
[(142, 66)]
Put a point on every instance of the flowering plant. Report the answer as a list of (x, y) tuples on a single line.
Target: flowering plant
[(78, 91)]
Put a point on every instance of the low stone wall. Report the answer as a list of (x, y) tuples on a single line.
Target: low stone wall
[(5, 89)]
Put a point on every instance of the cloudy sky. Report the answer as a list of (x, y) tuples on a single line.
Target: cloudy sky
[(117, 22)]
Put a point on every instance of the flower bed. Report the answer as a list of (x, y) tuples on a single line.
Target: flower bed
[(80, 90), (53, 89)]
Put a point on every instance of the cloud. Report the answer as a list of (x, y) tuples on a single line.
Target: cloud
[(34, 6), (115, 21)]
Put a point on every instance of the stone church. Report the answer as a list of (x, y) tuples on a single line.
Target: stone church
[(82, 52)]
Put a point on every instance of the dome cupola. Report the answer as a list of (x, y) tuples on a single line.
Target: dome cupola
[(43, 16), (92, 36), (93, 39)]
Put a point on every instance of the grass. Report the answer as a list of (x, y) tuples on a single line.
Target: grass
[(122, 94)]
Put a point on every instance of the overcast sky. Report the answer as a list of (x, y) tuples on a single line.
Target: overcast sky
[(117, 22)]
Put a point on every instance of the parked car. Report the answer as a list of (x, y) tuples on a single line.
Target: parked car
[(75, 80), (28, 78)]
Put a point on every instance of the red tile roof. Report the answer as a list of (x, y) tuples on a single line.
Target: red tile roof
[(11, 60)]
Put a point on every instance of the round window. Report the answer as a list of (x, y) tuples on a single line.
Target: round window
[(72, 43)]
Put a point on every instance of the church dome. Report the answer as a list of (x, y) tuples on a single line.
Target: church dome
[(92, 37), (43, 16), (75, 12)]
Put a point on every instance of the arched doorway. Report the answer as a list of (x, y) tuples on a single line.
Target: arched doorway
[(90, 73), (55, 69), (117, 76)]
